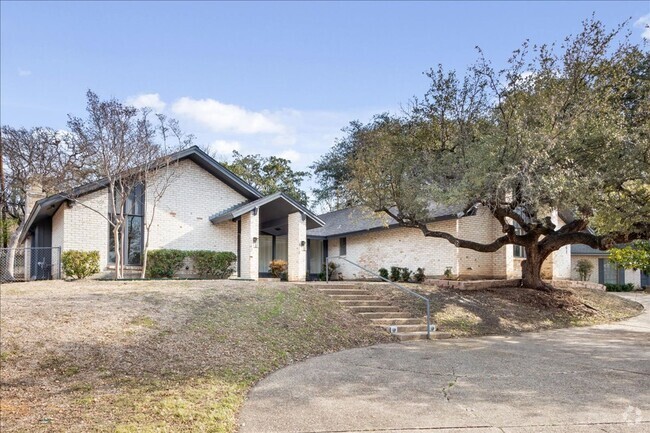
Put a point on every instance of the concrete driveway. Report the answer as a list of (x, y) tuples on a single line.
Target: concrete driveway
[(593, 379)]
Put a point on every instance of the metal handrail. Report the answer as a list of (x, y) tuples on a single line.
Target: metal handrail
[(392, 283)]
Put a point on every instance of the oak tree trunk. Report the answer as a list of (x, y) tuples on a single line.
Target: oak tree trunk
[(531, 269)]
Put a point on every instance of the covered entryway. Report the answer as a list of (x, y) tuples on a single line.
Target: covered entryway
[(271, 228)]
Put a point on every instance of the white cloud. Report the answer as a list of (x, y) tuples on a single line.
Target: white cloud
[(291, 155), (644, 23), (227, 118), (24, 72), (147, 100), (225, 147)]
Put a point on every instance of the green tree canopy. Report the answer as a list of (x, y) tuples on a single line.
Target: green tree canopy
[(634, 256), (269, 174), (558, 128)]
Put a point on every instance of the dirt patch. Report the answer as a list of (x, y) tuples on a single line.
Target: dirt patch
[(155, 356), (510, 310)]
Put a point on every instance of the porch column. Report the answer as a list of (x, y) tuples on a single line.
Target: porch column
[(250, 240), (297, 246)]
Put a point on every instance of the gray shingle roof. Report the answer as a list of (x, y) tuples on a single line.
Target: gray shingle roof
[(358, 219)]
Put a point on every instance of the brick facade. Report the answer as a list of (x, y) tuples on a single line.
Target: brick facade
[(407, 247), (181, 219)]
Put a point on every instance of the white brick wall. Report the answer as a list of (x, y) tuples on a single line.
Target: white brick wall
[(403, 247), (297, 247), (250, 250), (83, 227), (182, 216), (406, 247)]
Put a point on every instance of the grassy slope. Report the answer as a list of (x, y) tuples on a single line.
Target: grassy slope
[(512, 310), (144, 358), (180, 356)]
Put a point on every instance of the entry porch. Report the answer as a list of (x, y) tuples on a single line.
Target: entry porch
[(275, 228)]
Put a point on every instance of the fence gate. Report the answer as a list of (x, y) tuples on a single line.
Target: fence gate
[(29, 264)]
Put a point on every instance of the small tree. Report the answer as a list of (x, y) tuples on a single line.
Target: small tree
[(584, 268), (124, 150)]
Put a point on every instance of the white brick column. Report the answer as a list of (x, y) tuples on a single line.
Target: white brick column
[(250, 240), (297, 247)]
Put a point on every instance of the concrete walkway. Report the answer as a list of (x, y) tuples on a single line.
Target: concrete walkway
[(593, 379)]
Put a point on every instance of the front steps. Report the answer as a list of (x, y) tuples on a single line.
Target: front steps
[(380, 312)]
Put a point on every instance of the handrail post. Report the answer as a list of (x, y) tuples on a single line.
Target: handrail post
[(428, 320)]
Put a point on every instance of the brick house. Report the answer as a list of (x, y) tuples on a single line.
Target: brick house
[(207, 207)]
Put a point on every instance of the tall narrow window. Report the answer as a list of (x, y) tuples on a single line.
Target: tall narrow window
[(343, 246), (133, 229)]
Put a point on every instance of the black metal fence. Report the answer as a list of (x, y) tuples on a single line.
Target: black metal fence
[(29, 264)]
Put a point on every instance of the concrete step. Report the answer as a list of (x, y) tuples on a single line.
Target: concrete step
[(351, 302), (355, 298), (409, 321), (407, 328), (385, 315), (372, 308), (408, 336), (344, 291)]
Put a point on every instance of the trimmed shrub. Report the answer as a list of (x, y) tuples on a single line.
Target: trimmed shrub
[(207, 264), (395, 273), (419, 275), (277, 268), (405, 274), (80, 264), (619, 287), (164, 263), (213, 264), (383, 272)]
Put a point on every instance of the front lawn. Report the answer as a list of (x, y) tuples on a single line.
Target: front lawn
[(154, 356)]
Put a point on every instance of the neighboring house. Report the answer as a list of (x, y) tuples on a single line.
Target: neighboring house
[(604, 271), (207, 207)]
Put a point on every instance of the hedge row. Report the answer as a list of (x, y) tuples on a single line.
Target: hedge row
[(207, 264)]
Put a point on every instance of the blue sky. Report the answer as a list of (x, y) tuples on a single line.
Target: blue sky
[(270, 78)]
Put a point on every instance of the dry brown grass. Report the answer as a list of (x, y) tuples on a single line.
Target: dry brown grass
[(466, 313), (154, 356)]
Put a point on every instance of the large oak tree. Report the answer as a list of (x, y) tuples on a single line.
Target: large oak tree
[(558, 128)]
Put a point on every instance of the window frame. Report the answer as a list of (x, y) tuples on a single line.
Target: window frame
[(136, 202), (343, 246)]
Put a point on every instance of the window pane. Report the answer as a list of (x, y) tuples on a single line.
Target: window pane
[(134, 240), (282, 248), (610, 273), (343, 246), (111, 242), (266, 252), (315, 256)]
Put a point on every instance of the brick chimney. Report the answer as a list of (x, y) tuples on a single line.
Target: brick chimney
[(34, 193)]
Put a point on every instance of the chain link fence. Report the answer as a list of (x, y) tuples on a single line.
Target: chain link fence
[(29, 264)]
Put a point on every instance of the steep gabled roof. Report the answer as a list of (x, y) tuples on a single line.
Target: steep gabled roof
[(47, 206)]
